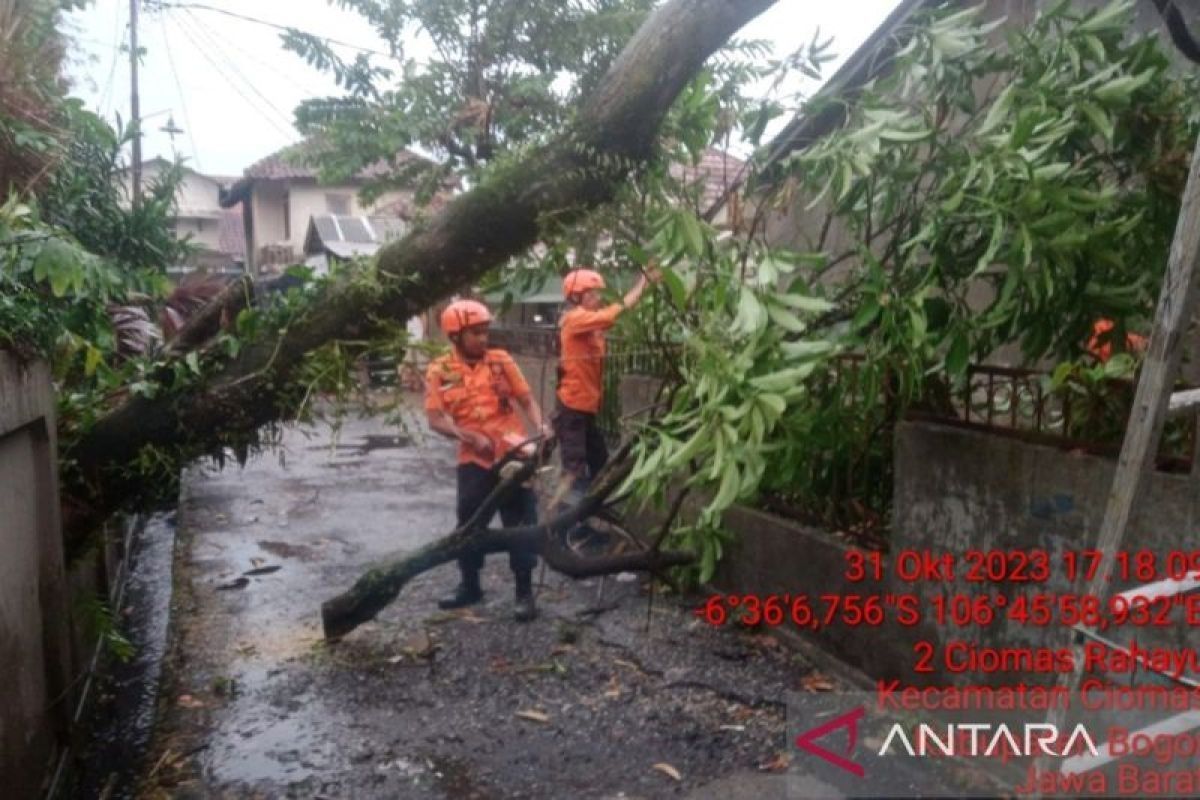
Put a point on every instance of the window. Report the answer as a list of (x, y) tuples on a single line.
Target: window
[(287, 215), (338, 204)]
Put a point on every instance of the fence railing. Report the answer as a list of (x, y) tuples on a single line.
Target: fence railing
[(629, 358), (1018, 402), (623, 358), (1005, 400), (525, 340)]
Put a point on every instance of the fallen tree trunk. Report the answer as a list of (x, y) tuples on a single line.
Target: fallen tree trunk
[(206, 324), (380, 586), (475, 232)]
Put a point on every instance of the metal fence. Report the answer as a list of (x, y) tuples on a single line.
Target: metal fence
[(527, 341), (851, 490), (1019, 402), (623, 358), (629, 358)]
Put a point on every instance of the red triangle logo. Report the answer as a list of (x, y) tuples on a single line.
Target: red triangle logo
[(849, 720)]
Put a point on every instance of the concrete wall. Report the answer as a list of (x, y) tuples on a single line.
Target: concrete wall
[(198, 208), (205, 231), (267, 203), (197, 195), (35, 655), (541, 374), (959, 490)]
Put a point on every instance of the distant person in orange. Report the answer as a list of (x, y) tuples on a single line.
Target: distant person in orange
[(1100, 345), (471, 396), (581, 370)]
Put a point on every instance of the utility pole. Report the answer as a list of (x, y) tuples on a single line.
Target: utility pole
[(135, 116)]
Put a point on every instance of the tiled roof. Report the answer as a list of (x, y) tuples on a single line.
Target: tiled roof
[(718, 171), (288, 163), (233, 233)]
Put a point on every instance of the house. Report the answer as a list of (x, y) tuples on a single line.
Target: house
[(214, 230), (334, 237), (714, 182), (279, 195)]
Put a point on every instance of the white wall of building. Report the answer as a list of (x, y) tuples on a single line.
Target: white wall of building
[(198, 208), (304, 199)]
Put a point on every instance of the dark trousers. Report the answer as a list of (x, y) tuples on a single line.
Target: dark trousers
[(474, 485), (581, 443)]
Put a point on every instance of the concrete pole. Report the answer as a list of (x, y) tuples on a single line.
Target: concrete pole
[(134, 111)]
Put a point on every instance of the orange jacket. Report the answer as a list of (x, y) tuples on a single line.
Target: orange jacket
[(479, 397), (581, 356)]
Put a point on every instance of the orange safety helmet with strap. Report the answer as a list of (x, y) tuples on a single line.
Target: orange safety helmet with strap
[(580, 280), (463, 314)]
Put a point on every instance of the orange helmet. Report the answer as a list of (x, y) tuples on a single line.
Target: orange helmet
[(580, 280), (463, 314)]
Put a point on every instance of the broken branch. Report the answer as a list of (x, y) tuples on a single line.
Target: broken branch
[(380, 586)]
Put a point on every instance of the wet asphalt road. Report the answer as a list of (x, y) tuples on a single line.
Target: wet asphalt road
[(621, 699)]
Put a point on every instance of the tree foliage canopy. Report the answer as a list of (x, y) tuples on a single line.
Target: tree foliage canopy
[(500, 72), (977, 196)]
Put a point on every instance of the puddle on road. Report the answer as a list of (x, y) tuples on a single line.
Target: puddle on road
[(258, 746), (245, 557), (303, 552), (368, 443), (354, 462), (261, 737)]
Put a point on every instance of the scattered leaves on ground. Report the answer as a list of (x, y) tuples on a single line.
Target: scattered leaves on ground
[(667, 769), (533, 716), (816, 682), (776, 763)]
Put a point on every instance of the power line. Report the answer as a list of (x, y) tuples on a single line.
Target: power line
[(307, 90), (224, 67), (214, 43), (182, 99), (220, 71), (255, 20)]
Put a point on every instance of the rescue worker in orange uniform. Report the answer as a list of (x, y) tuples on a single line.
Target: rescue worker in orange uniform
[(581, 371), (472, 395)]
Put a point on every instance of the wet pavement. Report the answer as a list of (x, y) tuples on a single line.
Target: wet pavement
[(607, 697), (121, 720)]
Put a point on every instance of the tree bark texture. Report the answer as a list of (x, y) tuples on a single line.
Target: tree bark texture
[(477, 231)]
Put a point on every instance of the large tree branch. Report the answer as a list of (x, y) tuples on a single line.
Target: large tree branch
[(207, 323), (380, 586), (1177, 26), (615, 131)]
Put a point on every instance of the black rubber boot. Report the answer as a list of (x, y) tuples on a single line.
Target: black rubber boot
[(524, 608), (468, 592)]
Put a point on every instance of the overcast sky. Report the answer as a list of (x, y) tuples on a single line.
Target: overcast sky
[(230, 86)]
